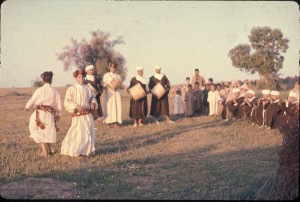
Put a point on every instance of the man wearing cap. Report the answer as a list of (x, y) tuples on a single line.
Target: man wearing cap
[(273, 110), (244, 88), (246, 107), (290, 111), (258, 112), (112, 108), (160, 107), (138, 108), (197, 78), (94, 83), (234, 104)]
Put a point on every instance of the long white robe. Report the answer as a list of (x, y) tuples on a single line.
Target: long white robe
[(178, 105), (45, 95), (80, 139), (112, 109), (213, 99)]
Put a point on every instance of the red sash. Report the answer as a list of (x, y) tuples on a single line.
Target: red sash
[(46, 109)]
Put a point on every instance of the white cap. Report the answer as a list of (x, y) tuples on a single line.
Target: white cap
[(274, 92), (244, 86), (250, 92), (293, 94), (89, 67), (157, 67), (236, 90), (139, 68), (266, 92)]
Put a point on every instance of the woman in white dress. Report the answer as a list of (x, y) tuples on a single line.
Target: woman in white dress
[(42, 123), (79, 101), (112, 110)]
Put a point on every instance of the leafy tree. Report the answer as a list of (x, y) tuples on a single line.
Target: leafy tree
[(264, 54), (99, 51), (37, 82)]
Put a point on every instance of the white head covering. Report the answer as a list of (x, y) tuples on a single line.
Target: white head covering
[(250, 92), (89, 67), (139, 68), (293, 94), (236, 90), (274, 92), (245, 86), (157, 67), (265, 92)]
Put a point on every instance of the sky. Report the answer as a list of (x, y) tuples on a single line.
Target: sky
[(177, 35)]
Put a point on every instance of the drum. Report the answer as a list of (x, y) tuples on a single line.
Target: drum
[(137, 91), (158, 90), (114, 84)]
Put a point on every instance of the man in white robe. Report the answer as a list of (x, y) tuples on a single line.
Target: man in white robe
[(79, 101), (47, 104), (112, 109)]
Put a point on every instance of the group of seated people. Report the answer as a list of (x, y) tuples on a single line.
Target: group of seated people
[(269, 111)]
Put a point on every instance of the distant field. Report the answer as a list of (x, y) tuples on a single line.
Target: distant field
[(195, 158)]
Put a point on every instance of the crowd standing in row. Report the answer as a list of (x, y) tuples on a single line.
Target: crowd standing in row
[(82, 101)]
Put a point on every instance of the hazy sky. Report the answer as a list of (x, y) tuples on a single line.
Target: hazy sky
[(180, 36)]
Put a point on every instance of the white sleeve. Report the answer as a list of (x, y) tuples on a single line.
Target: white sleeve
[(69, 103), (32, 100)]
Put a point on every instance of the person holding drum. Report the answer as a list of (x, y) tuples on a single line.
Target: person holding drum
[(112, 109), (93, 80), (159, 86), (138, 101)]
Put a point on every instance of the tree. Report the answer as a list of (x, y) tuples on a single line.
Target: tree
[(99, 51), (265, 56), (37, 82)]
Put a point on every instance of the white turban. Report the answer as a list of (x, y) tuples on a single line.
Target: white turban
[(250, 92), (274, 92), (236, 90), (293, 94), (157, 67), (139, 68), (244, 86), (89, 67), (266, 92)]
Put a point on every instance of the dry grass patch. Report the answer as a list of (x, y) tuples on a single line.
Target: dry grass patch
[(196, 158)]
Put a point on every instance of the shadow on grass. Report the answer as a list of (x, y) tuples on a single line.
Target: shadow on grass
[(195, 174), (148, 139)]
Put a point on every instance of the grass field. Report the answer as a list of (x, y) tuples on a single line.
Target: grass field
[(195, 158)]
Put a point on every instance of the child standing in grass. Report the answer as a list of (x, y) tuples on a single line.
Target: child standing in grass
[(178, 103), (214, 99), (47, 104), (205, 105), (198, 96), (189, 101)]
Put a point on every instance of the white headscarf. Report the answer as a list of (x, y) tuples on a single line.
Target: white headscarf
[(156, 75), (141, 79)]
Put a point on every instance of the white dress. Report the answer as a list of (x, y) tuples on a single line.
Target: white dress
[(80, 138), (45, 95), (213, 99), (112, 110), (178, 105)]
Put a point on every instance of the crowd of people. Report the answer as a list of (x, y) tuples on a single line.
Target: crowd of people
[(82, 101)]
